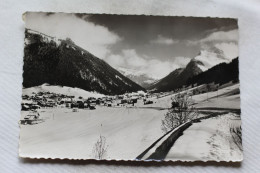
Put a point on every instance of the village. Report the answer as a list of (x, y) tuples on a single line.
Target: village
[(80, 118), (49, 100)]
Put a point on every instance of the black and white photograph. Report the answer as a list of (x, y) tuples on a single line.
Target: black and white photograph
[(130, 87)]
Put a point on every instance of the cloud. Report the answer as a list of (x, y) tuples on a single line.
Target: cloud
[(133, 59), (218, 36), (222, 36), (224, 41), (230, 50), (155, 68), (159, 69), (115, 60), (94, 38), (181, 61), (164, 41), (128, 57), (107, 45)]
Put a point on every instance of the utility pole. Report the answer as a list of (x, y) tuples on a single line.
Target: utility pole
[(217, 90)]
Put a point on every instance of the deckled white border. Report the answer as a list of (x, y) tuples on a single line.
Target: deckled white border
[(11, 30), (74, 158)]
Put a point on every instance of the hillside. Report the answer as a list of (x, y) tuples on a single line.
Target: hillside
[(210, 58), (178, 77), (201, 63), (221, 73), (61, 62)]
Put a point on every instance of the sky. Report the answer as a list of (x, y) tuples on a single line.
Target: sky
[(153, 45)]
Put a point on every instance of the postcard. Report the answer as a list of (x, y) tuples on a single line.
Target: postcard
[(130, 87)]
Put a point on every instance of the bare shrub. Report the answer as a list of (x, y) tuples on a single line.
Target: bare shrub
[(180, 112), (100, 148), (235, 130)]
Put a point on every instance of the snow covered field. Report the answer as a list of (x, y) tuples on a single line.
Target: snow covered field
[(67, 134), (228, 97), (130, 130)]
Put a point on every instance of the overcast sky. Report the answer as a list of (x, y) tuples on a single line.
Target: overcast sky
[(154, 45)]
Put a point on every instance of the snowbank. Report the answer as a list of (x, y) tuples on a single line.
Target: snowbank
[(209, 139), (61, 90), (161, 148)]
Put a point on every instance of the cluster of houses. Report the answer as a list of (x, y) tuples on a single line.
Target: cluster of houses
[(41, 99), (49, 99)]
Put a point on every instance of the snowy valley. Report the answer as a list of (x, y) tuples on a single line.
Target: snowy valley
[(131, 88)]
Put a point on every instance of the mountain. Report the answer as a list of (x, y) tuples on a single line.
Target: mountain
[(210, 58), (140, 78), (205, 60), (178, 77), (61, 62), (219, 74)]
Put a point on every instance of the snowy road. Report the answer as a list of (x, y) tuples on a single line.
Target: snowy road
[(209, 139)]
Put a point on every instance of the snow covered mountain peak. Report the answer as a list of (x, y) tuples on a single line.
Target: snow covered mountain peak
[(44, 38), (210, 58), (137, 76), (126, 71)]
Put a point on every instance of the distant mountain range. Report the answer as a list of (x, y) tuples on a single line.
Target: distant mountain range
[(197, 65), (61, 62), (140, 78)]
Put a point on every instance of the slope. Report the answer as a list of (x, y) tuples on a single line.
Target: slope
[(61, 62), (178, 77), (221, 73), (204, 61)]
